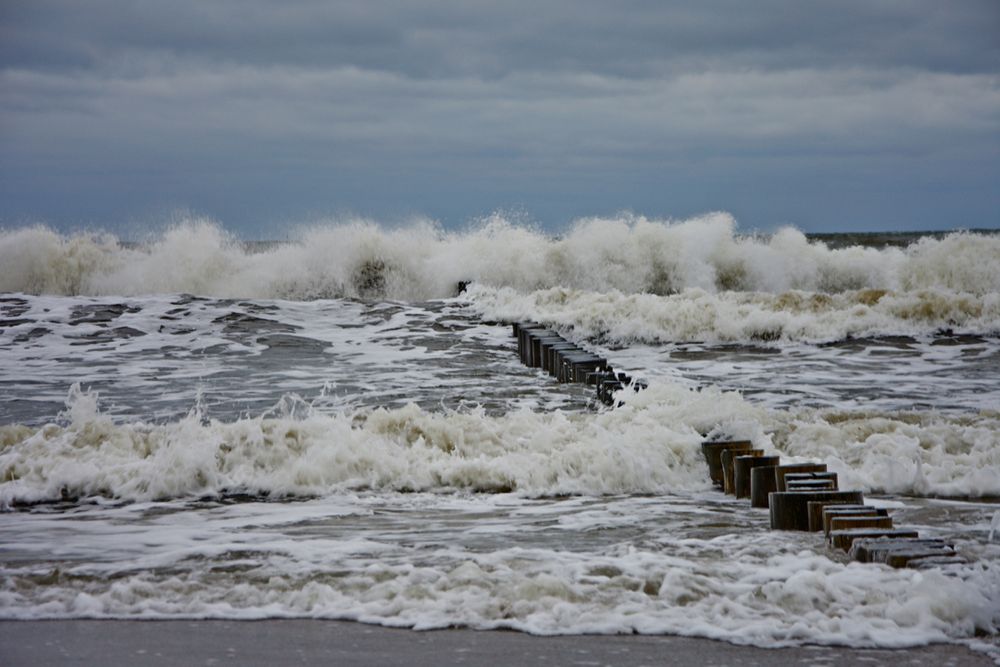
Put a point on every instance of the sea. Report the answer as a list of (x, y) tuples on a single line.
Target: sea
[(337, 426)]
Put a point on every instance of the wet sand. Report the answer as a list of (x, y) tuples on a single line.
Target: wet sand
[(307, 642)]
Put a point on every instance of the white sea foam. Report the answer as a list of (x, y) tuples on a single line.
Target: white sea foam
[(697, 315), (649, 446), (628, 253), (422, 561), (405, 448), (913, 454)]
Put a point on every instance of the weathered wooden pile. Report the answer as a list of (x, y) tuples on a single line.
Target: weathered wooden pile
[(805, 496), (543, 348)]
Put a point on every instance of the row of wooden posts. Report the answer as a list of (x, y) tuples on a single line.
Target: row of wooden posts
[(799, 496), (806, 496), (543, 348)]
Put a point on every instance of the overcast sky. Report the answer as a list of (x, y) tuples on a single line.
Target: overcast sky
[(846, 115)]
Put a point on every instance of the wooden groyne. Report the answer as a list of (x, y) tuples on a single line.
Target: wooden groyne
[(798, 496), (567, 362), (807, 497)]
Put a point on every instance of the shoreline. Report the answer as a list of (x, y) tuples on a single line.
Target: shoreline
[(306, 642)]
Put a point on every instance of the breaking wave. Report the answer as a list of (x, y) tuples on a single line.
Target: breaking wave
[(697, 315), (630, 254), (651, 445)]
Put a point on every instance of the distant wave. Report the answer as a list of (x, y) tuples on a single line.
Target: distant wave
[(629, 254)]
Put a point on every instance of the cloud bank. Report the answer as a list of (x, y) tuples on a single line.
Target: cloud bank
[(846, 115)]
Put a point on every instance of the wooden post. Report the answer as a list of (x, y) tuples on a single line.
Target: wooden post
[(596, 377), (606, 391), (728, 459), (713, 455), (876, 550), (548, 352), (816, 511), (524, 340), (842, 539), (927, 561), (789, 509), (536, 346), (573, 366), (810, 485), (782, 470), (761, 485), (583, 368), (801, 476), (743, 466), (856, 510), (854, 522)]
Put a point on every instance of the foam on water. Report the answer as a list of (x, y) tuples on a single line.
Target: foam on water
[(651, 445), (153, 358), (494, 499), (696, 315), (400, 449), (939, 374), (628, 253), (610, 565)]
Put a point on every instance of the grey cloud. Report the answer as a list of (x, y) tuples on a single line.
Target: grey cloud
[(430, 39), (401, 104), (535, 111)]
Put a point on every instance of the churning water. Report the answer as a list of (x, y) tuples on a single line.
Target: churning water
[(192, 427)]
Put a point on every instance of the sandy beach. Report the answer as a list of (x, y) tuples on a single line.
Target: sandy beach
[(309, 642)]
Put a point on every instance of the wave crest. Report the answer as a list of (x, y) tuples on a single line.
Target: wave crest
[(651, 445), (358, 258)]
